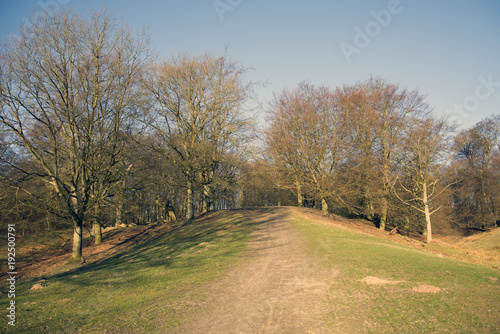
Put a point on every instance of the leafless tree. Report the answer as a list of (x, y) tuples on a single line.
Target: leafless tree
[(426, 152), (68, 87), (307, 134), (197, 114), (378, 114), (477, 188)]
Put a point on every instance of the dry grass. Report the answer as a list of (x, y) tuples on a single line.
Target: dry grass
[(142, 280), (489, 241), (483, 248), (434, 293)]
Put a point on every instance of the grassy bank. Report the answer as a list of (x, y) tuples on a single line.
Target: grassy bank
[(148, 289), (468, 300)]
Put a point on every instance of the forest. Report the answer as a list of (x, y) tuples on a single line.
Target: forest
[(97, 131)]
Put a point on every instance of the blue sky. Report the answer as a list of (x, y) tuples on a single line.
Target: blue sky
[(448, 49)]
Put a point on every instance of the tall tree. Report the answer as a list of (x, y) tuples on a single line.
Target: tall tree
[(477, 188), (427, 149), (379, 113), (395, 108), (362, 175), (197, 113), (68, 87), (307, 135)]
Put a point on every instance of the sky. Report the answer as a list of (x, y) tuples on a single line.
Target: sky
[(447, 49)]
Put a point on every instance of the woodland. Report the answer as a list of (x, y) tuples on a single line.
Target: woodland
[(97, 131)]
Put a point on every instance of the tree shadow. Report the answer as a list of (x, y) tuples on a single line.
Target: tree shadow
[(168, 249)]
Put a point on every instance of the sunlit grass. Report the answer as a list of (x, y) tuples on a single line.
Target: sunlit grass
[(469, 301), (158, 285), (149, 289)]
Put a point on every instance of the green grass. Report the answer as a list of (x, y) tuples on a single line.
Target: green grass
[(149, 289), (489, 241), (158, 285), (468, 303)]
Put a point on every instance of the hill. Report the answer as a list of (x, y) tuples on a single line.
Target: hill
[(261, 270)]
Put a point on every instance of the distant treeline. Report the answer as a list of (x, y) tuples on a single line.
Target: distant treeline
[(374, 150)]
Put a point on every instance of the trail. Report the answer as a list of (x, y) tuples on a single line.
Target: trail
[(277, 289)]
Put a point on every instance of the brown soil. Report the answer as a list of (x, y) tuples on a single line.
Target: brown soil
[(426, 289), (371, 280)]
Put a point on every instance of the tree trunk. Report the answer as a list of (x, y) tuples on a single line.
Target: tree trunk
[(77, 241), (96, 227), (170, 213), (47, 219), (428, 228), (206, 198), (119, 214), (428, 222), (324, 206), (300, 199), (190, 200), (121, 198), (370, 215), (204, 206), (383, 214), (369, 211)]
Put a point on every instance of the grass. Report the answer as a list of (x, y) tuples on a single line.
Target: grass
[(152, 288), (468, 303), (159, 284), (489, 241)]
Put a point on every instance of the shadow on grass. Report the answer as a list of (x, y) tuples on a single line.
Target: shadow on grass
[(210, 237), (206, 240)]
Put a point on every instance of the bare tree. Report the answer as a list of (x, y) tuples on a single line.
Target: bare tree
[(363, 178), (68, 87), (379, 113), (395, 108), (477, 188), (197, 115), (259, 186), (307, 135), (426, 152), (282, 139)]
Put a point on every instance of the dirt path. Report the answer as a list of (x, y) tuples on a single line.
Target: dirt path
[(277, 289)]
